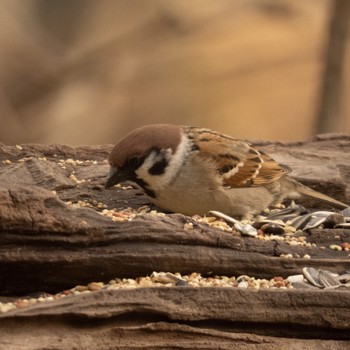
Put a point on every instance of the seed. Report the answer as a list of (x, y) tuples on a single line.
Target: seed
[(280, 284), (335, 247), (295, 278), (243, 284), (210, 219), (145, 283), (188, 226), (21, 303), (94, 286), (345, 246), (70, 161), (290, 229), (288, 256), (80, 288), (272, 229), (7, 307)]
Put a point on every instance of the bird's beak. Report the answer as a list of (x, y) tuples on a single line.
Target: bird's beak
[(116, 176)]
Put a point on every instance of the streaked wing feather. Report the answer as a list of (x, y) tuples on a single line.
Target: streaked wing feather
[(239, 164), (270, 171)]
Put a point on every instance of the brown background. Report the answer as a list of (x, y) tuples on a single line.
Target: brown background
[(86, 72)]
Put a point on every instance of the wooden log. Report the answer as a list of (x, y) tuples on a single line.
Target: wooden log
[(182, 318), (47, 246)]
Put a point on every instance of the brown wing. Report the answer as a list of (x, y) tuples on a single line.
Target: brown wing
[(239, 164)]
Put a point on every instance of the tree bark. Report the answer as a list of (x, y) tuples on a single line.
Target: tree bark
[(329, 113)]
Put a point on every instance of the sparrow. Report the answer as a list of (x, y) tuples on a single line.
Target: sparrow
[(192, 170)]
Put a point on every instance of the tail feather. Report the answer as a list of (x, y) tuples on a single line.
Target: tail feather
[(307, 191)]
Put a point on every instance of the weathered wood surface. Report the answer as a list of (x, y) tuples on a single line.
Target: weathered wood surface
[(48, 246), (183, 318)]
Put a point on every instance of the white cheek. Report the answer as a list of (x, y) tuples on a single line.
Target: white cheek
[(143, 171), (176, 160)]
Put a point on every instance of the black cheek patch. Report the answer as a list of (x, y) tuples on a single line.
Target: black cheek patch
[(159, 167), (150, 193), (144, 186)]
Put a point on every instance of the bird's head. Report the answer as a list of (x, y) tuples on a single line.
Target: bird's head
[(144, 156)]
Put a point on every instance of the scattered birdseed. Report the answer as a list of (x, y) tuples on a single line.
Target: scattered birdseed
[(291, 236), (326, 279), (287, 256), (75, 179), (119, 216), (121, 187), (71, 161), (116, 215), (129, 214), (25, 159), (243, 226), (157, 213), (5, 307), (156, 279), (19, 147), (63, 163), (85, 204), (7, 162), (213, 221), (280, 231)]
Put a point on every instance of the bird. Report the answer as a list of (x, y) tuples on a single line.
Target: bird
[(193, 170)]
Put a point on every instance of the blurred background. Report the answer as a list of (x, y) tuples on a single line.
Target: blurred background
[(86, 72)]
